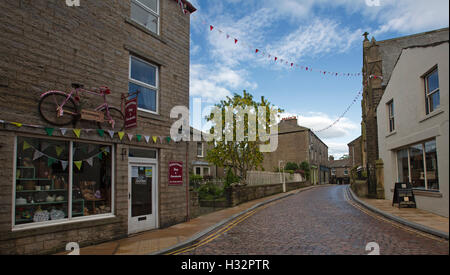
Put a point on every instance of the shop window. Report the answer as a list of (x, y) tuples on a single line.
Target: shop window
[(44, 178), (92, 178), (418, 165)]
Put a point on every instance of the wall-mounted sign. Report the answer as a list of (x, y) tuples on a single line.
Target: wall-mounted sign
[(131, 107), (175, 173)]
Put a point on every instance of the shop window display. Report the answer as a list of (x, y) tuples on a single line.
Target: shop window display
[(91, 180), (43, 176)]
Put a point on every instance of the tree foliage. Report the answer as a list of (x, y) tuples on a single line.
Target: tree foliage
[(240, 156)]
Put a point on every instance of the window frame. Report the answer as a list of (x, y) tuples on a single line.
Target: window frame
[(391, 116), (408, 149), (69, 219), (145, 85), (429, 94), (148, 9), (203, 151)]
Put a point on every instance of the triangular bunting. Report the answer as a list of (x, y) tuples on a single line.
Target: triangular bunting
[(37, 155), (111, 133), (63, 131), (26, 145), (64, 164), (155, 139), (130, 137), (17, 124), (78, 164), (139, 138), (59, 150), (77, 132), (51, 161), (169, 139), (100, 156), (90, 161), (147, 139), (50, 131), (100, 132), (121, 135)]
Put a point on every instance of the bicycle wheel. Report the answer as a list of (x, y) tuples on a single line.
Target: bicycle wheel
[(117, 116), (49, 105)]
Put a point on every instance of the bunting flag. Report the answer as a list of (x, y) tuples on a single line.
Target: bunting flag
[(121, 135), (17, 124), (168, 139), (50, 161), (63, 131), (155, 139), (139, 138), (90, 161), (37, 155), (161, 139), (26, 146), (281, 61), (147, 139), (101, 132), (111, 133), (59, 150), (78, 164), (64, 164), (130, 137), (49, 131), (77, 132), (100, 156)]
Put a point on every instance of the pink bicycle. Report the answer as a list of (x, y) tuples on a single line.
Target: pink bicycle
[(61, 109)]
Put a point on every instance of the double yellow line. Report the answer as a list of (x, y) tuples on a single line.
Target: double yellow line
[(215, 235)]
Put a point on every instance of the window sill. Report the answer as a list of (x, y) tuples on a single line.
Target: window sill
[(431, 115), (66, 225), (391, 134), (144, 29)]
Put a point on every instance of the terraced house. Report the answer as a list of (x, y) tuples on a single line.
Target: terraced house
[(90, 180)]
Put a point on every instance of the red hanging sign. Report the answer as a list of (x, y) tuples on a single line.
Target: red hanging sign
[(131, 108), (175, 173)]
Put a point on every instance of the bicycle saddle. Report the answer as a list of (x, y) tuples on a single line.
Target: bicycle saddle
[(105, 90), (77, 86)]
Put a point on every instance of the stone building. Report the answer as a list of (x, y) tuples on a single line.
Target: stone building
[(356, 154), (379, 59), (413, 125), (340, 171), (197, 159), (298, 144), (79, 184)]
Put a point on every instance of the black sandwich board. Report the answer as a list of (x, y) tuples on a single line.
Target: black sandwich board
[(404, 196)]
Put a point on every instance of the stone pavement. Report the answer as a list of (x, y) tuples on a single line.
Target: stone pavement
[(158, 240), (418, 216)]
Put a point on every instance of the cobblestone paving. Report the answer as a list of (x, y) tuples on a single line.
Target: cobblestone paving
[(318, 222)]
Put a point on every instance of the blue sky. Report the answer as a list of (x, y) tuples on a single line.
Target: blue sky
[(323, 34)]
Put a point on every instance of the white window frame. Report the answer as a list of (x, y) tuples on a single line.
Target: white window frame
[(209, 170), (149, 10), (195, 170), (70, 219), (429, 94), (203, 150), (391, 116), (145, 85)]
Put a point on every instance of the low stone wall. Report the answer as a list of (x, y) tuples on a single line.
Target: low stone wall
[(239, 194), (194, 204), (214, 204), (360, 188)]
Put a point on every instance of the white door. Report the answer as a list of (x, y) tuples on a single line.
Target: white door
[(142, 197)]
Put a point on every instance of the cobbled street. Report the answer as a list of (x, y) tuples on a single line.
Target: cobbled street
[(321, 221)]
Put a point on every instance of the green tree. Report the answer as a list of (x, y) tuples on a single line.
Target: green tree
[(241, 156), (291, 166), (306, 168)]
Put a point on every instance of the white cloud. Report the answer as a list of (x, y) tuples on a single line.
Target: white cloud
[(213, 83)]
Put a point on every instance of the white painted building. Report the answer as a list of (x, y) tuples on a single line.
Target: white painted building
[(413, 126)]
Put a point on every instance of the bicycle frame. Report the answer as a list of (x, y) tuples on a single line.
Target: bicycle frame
[(77, 93)]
